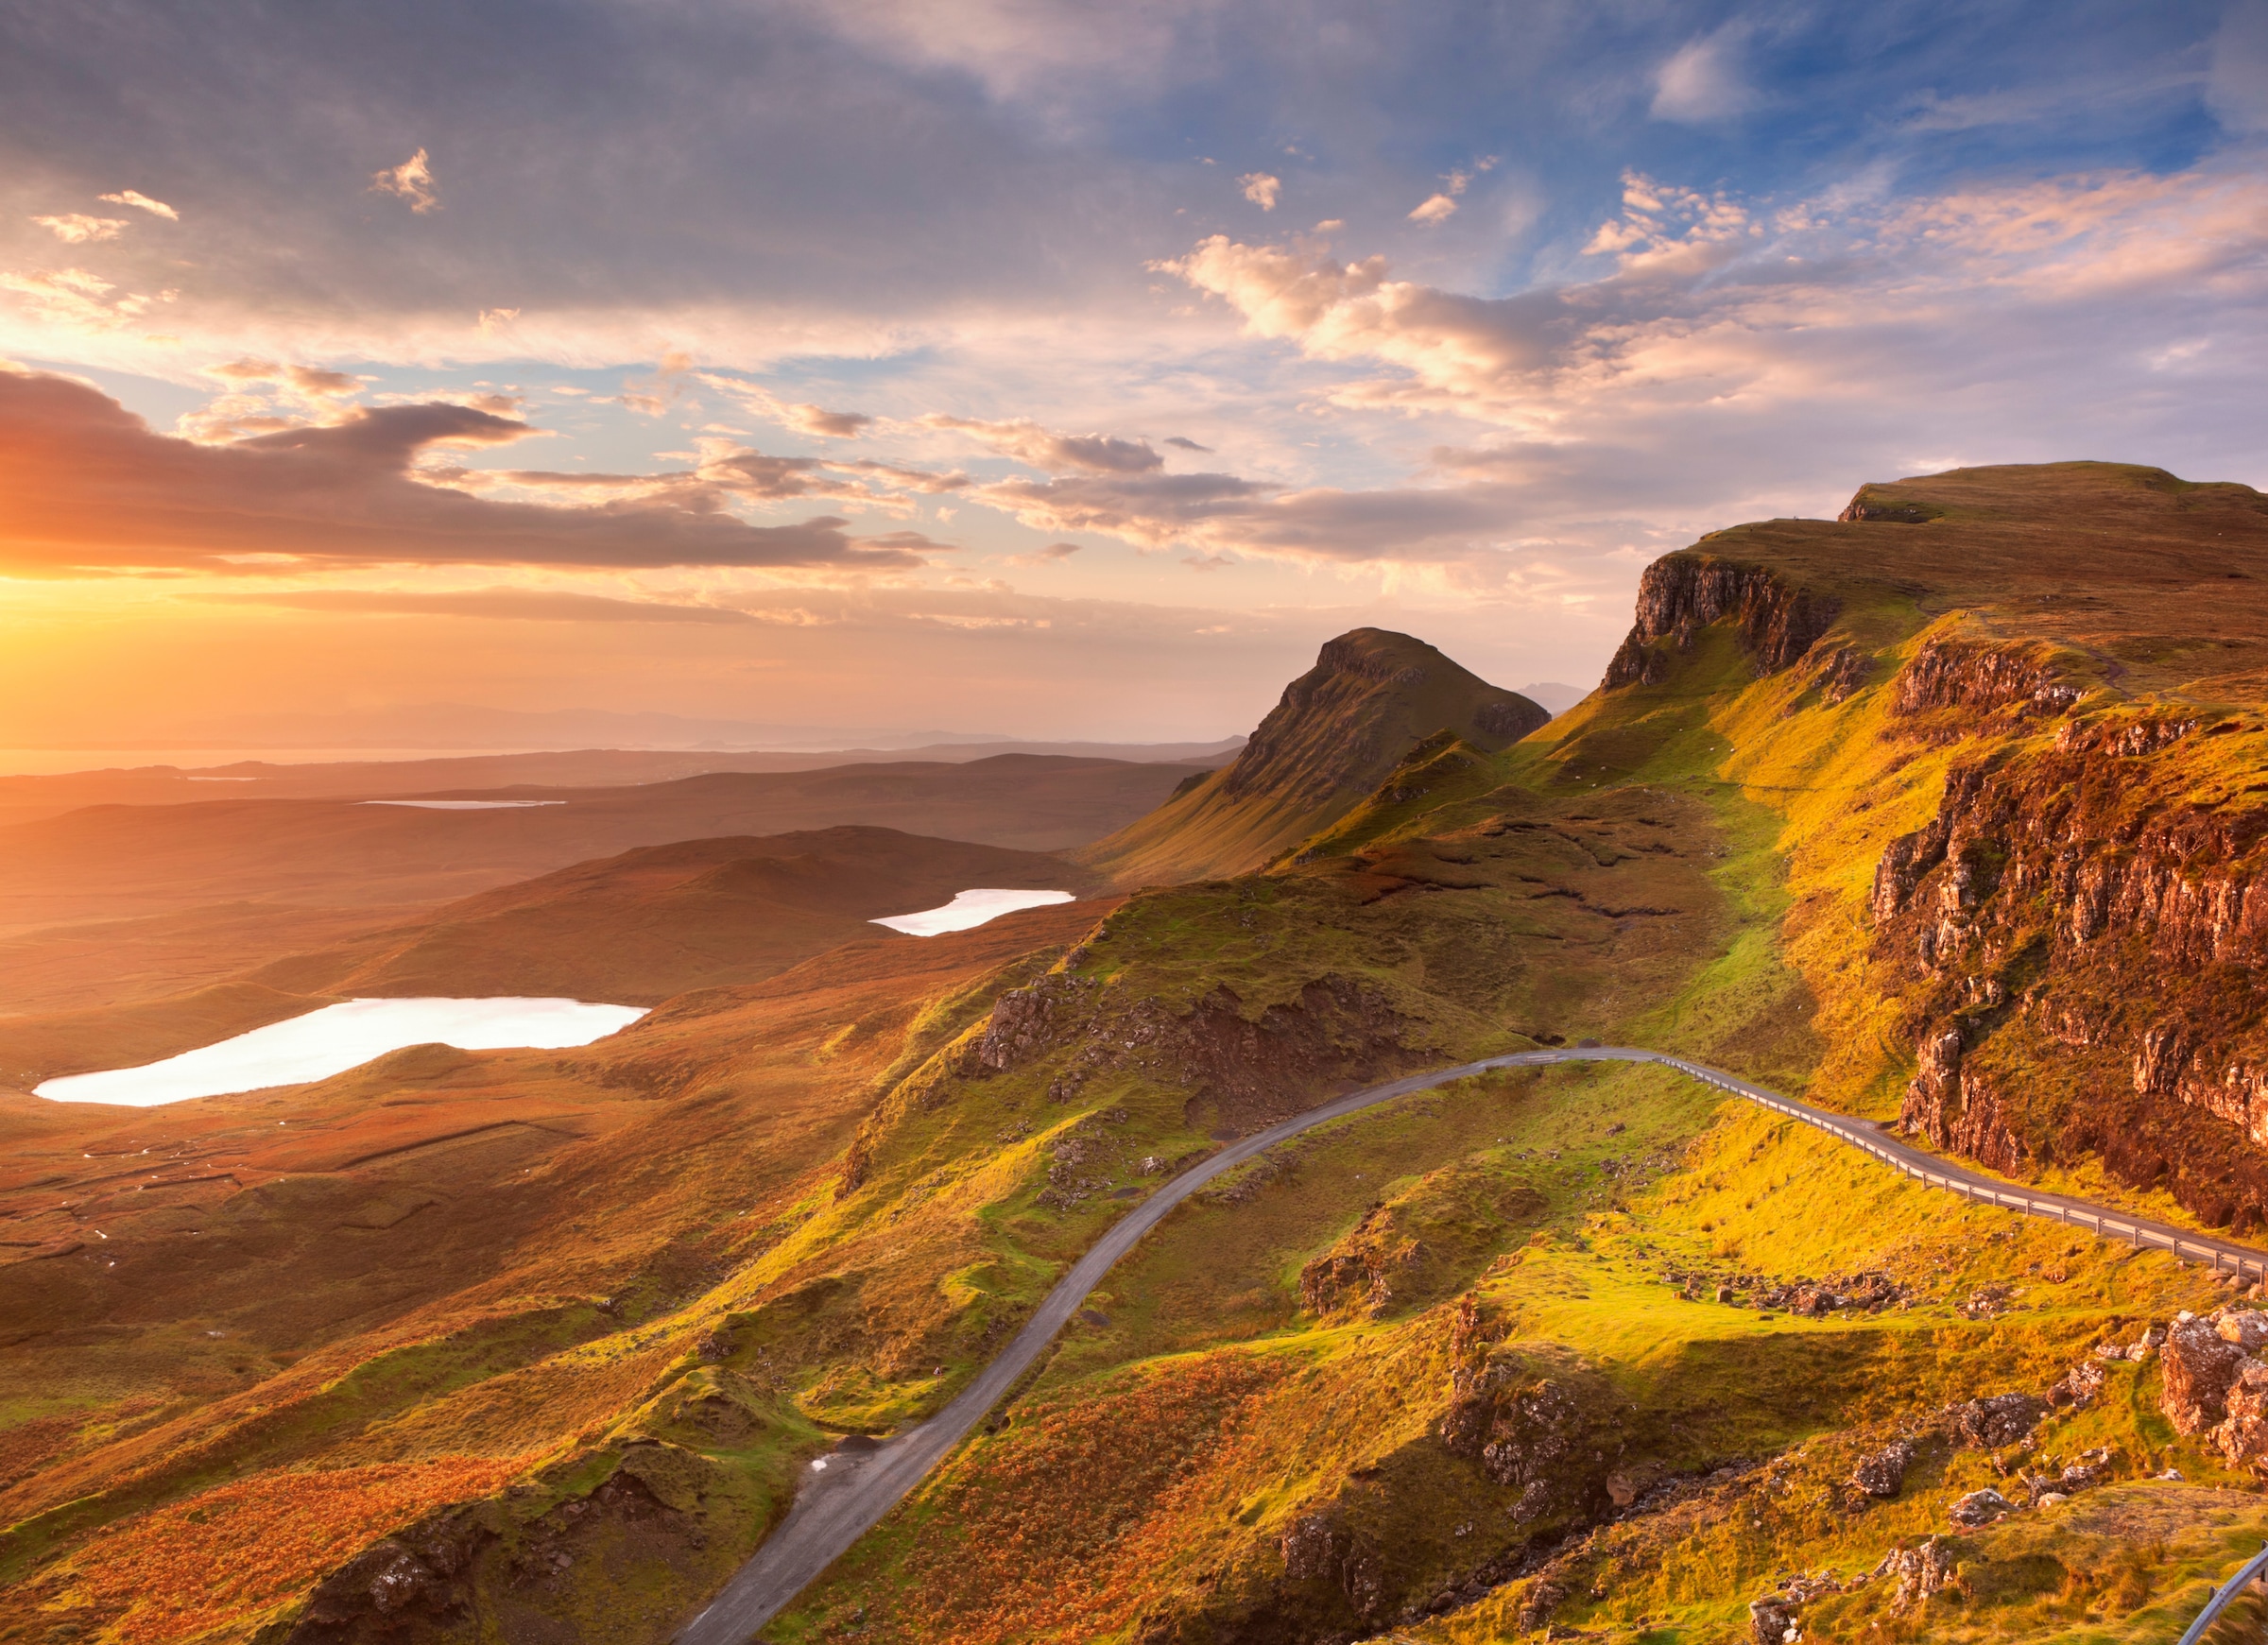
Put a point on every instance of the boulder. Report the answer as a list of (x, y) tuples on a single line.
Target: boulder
[(2245, 1327), (1995, 1420), (1922, 1571), (2242, 1435), (1772, 1620), (1884, 1471), (2200, 1367), (1982, 1508), (2080, 1386)]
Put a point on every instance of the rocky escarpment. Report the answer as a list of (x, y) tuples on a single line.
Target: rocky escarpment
[(2092, 913), (1875, 504), (1682, 593), (1950, 673), (1243, 1070)]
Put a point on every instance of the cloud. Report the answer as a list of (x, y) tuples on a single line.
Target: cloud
[(1150, 510), (724, 472), (75, 300), (802, 418), (86, 486), (76, 227), (1059, 551), (1180, 444), (412, 181), (1439, 208), (1041, 448), (1261, 189), (2236, 88), (663, 391), (1709, 299), (1701, 82), (136, 198), (502, 604)]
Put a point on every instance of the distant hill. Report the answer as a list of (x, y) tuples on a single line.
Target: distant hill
[(1551, 694), (28, 798), (1339, 730), (659, 920), (128, 862)]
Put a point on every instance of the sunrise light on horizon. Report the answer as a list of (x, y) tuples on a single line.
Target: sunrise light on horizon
[(1034, 369)]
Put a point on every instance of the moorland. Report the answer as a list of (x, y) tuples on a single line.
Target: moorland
[(1947, 814)]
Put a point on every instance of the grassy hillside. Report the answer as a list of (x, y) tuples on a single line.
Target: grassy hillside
[(1371, 697), (1542, 1354)]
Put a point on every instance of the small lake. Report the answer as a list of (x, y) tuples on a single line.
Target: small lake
[(339, 1037), (971, 909), (463, 804)]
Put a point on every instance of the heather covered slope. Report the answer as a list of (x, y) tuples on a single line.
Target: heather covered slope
[(1454, 1370), (1371, 697), (282, 1325), (1572, 1442)]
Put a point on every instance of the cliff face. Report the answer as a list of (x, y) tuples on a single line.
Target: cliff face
[(2085, 922), (1335, 735), (2067, 666), (1683, 592)]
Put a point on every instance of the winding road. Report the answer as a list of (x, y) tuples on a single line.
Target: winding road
[(853, 1489)]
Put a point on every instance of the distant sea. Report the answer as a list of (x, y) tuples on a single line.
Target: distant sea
[(53, 761)]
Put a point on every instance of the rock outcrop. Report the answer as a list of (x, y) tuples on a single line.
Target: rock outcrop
[(1982, 1508), (1921, 1573), (1243, 1070), (1360, 1271), (2242, 1434), (1996, 1420), (1319, 1547), (1882, 1473), (1681, 593), (1979, 680), (2200, 1367), (2075, 905), (1544, 1433)]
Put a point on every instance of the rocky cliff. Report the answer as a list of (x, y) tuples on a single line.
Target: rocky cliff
[(1683, 592), (2081, 929)]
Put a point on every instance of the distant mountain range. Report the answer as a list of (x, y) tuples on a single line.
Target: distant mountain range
[(469, 725)]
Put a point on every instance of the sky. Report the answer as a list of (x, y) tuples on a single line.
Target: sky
[(1046, 369)]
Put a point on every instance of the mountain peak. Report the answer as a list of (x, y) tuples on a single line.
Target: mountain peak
[(1338, 730)]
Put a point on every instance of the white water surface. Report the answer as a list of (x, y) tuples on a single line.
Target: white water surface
[(463, 804), (339, 1037), (969, 910)]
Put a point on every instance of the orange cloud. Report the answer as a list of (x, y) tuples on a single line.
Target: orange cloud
[(411, 180), (86, 485)]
